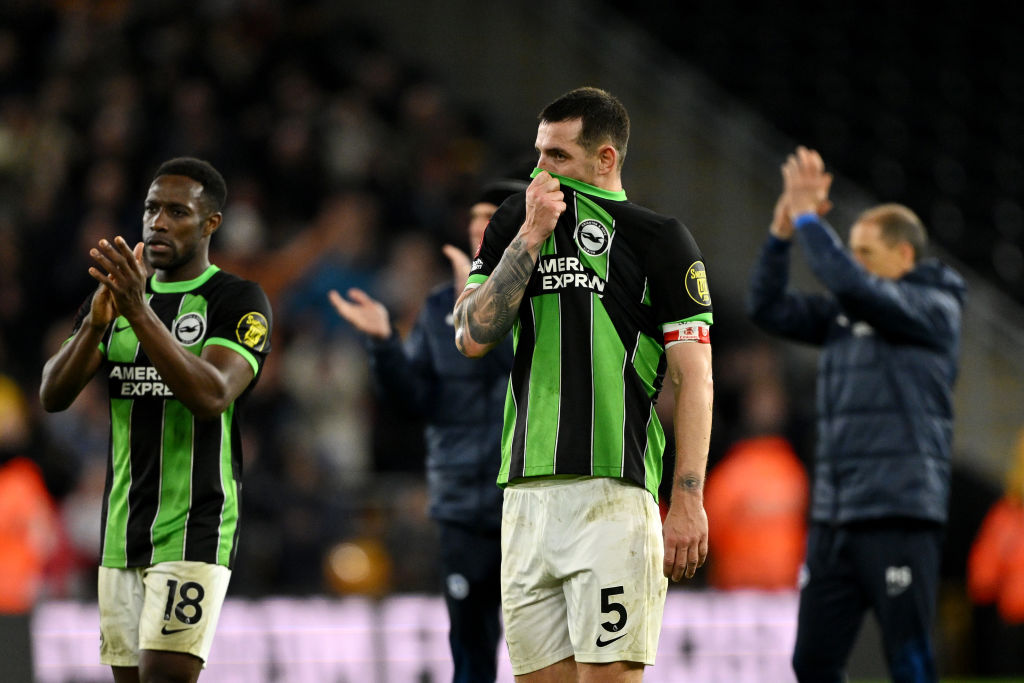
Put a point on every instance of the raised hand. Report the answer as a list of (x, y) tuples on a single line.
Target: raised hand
[(366, 314), (123, 273), (460, 266), (545, 202), (805, 183)]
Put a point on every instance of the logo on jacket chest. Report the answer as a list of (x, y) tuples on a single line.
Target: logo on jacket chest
[(858, 328)]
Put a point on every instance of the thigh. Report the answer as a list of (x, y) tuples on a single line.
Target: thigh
[(183, 601), (615, 590), (532, 601), (900, 567), (120, 593), (831, 609)]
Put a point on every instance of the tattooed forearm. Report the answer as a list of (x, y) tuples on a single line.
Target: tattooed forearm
[(489, 313)]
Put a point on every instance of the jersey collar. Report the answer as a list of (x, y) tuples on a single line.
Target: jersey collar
[(619, 196), (183, 286)]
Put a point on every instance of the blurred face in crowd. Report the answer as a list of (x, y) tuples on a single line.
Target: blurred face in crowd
[(559, 152), (175, 223), (871, 250), (479, 216)]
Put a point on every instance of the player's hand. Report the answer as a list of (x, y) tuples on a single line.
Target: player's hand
[(685, 534), (123, 272), (545, 202), (366, 314), (805, 183), (102, 309), (460, 266)]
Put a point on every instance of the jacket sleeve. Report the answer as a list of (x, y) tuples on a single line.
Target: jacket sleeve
[(915, 310), (775, 309), (403, 375)]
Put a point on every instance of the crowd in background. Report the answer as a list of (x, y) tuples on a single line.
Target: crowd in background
[(346, 166)]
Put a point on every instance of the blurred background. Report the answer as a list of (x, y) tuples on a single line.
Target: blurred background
[(354, 136)]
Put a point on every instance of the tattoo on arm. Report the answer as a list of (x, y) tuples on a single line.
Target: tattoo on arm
[(489, 314), (689, 483)]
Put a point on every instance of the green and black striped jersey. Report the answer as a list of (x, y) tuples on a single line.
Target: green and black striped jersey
[(173, 481), (613, 284)]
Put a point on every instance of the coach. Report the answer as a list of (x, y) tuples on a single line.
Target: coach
[(889, 328)]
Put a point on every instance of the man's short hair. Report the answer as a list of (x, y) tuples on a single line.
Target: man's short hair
[(215, 190), (897, 223), (604, 118)]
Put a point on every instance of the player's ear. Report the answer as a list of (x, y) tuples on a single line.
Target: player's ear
[(212, 223), (607, 159)]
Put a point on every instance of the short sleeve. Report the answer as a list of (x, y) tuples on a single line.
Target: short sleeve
[(503, 227), (241, 320), (678, 278)]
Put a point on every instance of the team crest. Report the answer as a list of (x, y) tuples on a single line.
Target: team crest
[(189, 328), (592, 237), (697, 283), (252, 331)]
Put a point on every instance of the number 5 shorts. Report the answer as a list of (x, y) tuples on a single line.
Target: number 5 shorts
[(581, 572), (171, 606)]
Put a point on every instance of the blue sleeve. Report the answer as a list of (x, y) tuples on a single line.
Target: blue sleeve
[(403, 375), (772, 307), (906, 308)]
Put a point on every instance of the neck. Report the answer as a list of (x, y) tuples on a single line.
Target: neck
[(184, 272)]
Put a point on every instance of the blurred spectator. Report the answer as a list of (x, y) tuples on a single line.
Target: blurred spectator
[(995, 567), (756, 496), (29, 534), (756, 500)]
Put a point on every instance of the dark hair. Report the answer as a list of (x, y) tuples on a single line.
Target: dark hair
[(603, 116), (215, 190), (898, 223)]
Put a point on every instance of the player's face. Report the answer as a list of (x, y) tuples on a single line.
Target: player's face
[(886, 260), (559, 152), (174, 222), (479, 216)]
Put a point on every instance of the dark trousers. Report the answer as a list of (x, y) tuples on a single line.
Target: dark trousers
[(471, 571), (888, 566)]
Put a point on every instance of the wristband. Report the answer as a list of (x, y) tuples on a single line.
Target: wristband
[(805, 218)]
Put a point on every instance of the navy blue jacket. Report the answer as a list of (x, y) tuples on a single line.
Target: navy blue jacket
[(462, 401), (889, 359)]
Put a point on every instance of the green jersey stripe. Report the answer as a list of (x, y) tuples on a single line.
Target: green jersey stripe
[(540, 428), (115, 544), (609, 363), (174, 487), (229, 510)]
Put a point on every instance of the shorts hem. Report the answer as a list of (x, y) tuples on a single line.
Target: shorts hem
[(609, 657), (536, 664), (119, 661)]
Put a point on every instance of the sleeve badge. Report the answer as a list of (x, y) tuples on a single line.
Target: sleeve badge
[(252, 331)]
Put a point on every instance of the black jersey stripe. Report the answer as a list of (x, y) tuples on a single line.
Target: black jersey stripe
[(576, 401), (202, 537), (145, 473)]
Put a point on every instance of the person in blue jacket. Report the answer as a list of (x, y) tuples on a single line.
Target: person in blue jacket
[(462, 403), (889, 329)]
